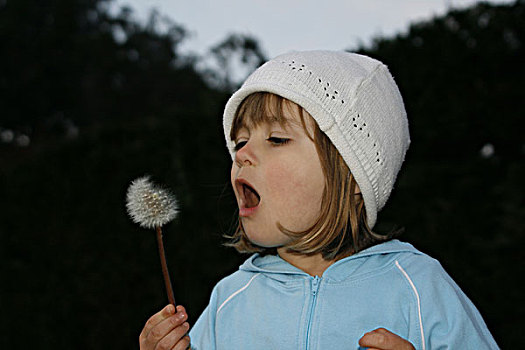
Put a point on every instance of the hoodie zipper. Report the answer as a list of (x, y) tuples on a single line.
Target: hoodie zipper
[(315, 287)]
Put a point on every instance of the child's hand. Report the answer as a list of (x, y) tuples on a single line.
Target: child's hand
[(166, 330), (381, 339)]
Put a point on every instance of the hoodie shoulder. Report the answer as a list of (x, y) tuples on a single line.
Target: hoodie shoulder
[(448, 316), (235, 281), (421, 266)]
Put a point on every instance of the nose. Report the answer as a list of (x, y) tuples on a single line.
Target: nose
[(245, 155)]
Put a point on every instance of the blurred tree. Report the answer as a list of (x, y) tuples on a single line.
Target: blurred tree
[(234, 59), (68, 63), (101, 100)]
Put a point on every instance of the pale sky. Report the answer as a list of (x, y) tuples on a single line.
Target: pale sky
[(284, 25)]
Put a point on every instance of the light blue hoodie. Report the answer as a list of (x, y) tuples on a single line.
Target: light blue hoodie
[(270, 304)]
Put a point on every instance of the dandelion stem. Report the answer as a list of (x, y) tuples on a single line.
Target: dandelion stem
[(165, 273)]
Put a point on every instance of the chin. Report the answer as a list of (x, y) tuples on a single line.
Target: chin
[(262, 242)]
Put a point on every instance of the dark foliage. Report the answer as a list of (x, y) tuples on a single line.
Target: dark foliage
[(102, 101), (90, 101)]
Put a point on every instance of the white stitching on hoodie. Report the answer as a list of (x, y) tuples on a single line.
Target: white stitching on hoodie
[(418, 304), (234, 294)]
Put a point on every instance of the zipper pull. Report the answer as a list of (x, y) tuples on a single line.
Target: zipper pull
[(315, 285)]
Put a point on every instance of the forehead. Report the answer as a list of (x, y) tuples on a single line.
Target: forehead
[(267, 108)]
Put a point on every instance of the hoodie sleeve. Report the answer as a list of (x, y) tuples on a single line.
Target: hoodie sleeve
[(448, 319), (202, 334)]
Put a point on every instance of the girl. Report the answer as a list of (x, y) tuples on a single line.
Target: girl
[(317, 139)]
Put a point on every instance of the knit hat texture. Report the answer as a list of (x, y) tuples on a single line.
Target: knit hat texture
[(356, 103)]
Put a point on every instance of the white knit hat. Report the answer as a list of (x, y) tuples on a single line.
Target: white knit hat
[(356, 103)]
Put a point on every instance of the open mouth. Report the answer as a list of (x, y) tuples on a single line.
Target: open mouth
[(249, 198)]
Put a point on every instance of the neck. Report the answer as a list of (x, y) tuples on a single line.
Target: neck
[(314, 265)]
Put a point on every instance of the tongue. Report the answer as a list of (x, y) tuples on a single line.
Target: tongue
[(251, 197)]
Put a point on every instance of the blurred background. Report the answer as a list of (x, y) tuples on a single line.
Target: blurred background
[(94, 94)]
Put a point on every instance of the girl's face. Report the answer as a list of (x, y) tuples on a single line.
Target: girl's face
[(277, 178)]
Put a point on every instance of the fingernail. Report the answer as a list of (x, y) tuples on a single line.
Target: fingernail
[(170, 309), (186, 325)]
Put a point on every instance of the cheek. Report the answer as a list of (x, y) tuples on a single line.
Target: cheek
[(281, 178), (299, 188)]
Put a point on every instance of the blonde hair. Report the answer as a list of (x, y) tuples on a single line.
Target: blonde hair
[(341, 228)]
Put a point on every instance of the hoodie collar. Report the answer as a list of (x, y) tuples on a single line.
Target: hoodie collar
[(382, 255)]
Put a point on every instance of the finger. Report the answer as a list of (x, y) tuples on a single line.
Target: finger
[(183, 344), (375, 339), (181, 308), (175, 338), (166, 312), (154, 320), (384, 340), (160, 331)]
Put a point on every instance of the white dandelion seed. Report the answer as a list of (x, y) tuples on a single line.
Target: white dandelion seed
[(149, 205)]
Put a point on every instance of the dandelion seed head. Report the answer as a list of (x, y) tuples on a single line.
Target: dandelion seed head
[(149, 205)]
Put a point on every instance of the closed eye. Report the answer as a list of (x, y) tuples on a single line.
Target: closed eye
[(239, 145), (278, 141)]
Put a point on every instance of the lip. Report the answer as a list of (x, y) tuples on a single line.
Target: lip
[(243, 211)]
